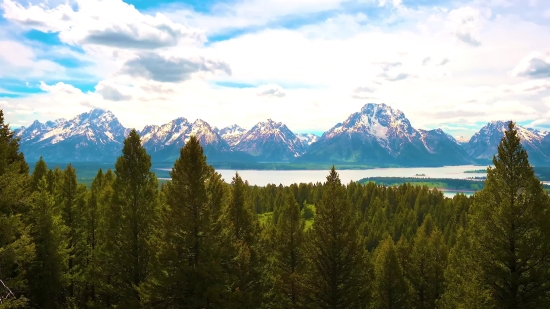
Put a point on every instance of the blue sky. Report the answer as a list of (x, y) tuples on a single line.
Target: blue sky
[(453, 65)]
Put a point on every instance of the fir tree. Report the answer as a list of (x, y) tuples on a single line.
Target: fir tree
[(510, 220), (16, 246), (186, 272), (245, 267), (135, 196), (289, 262), (40, 171), (391, 289), (48, 273), (338, 273)]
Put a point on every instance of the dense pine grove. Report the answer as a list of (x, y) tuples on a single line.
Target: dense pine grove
[(200, 242)]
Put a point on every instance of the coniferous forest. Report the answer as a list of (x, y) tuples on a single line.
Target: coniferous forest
[(200, 242)]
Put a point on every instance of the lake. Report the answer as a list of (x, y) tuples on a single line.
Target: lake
[(264, 177)]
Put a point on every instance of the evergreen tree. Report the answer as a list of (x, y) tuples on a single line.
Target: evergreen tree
[(186, 272), (91, 235), (40, 171), (289, 261), (135, 196), (338, 273), (463, 278), (108, 243), (48, 273), (16, 246), (391, 289), (245, 273), (510, 220), (72, 209)]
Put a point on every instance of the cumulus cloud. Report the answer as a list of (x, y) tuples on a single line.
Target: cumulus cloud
[(110, 23), (170, 69), (271, 90), (5, 104), (466, 23), (534, 65), (111, 93)]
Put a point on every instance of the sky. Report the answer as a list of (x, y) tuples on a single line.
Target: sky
[(454, 65)]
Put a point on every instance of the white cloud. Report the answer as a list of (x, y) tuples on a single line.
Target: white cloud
[(109, 23), (534, 65), (466, 23), (271, 91), (546, 13), (311, 77)]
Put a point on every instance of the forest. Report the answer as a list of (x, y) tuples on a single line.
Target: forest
[(197, 241)]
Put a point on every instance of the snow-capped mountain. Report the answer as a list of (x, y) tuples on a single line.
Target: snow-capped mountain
[(442, 144), (231, 134), (376, 135), (271, 141), (379, 134), (93, 136), (307, 138), (483, 145), (164, 142)]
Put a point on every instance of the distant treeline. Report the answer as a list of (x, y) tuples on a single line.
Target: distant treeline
[(440, 183)]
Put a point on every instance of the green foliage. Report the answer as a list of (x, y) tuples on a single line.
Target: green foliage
[(48, 274), (202, 243), (391, 289), (185, 271), (338, 275), (16, 246), (510, 220), (289, 261), (134, 205)]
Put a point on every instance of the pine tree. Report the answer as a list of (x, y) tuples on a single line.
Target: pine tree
[(510, 220), (338, 274), (108, 243), (289, 261), (92, 216), (463, 278), (391, 289), (72, 209), (185, 272), (135, 196), (48, 273), (246, 284), (16, 246), (40, 171)]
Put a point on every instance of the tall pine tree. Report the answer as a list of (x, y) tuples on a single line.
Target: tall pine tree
[(338, 273), (135, 196), (510, 224), (289, 263), (16, 247), (245, 270), (185, 272)]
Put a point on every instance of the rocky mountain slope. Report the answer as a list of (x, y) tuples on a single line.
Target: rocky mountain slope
[(483, 145), (381, 135), (93, 136), (377, 135)]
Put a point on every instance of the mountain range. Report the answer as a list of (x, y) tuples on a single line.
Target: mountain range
[(377, 135)]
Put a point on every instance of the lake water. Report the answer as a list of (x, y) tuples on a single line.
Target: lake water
[(264, 177)]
